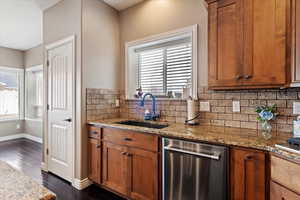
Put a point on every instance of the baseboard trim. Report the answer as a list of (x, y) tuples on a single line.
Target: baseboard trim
[(44, 167), (81, 184), (19, 136)]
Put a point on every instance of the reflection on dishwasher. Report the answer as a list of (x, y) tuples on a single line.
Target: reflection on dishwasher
[(193, 171)]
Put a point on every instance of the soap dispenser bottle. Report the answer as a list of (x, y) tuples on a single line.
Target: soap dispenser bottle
[(297, 128)]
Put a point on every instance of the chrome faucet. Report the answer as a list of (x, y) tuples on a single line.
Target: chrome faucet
[(153, 116)]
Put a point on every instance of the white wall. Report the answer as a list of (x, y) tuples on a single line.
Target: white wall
[(59, 22), (100, 45), (154, 17)]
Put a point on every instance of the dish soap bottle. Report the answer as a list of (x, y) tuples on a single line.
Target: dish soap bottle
[(297, 128)]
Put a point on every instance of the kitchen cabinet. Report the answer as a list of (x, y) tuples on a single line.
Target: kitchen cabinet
[(295, 53), (129, 162), (143, 174), (279, 192), (248, 42), (248, 174), (286, 174), (94, 155), (115, 167)]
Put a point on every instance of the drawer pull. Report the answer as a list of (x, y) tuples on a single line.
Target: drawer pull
[(124, 153), (127, 139), (249, 157), (98, 146), (94, 132)]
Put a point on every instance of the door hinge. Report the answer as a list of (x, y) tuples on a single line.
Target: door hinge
[(47, 151), (48, 63)]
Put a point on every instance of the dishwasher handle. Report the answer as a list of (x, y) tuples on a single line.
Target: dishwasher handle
[(214, 157)]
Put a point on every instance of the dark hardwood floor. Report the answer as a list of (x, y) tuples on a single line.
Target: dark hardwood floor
[(26, 156)]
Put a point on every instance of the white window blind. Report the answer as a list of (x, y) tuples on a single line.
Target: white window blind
[(9, 95), (165, 69)]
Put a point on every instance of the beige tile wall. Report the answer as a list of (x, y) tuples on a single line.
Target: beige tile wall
[(101, 106)]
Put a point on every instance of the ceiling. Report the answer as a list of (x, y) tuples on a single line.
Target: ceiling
[(21, 22), (122, 4)]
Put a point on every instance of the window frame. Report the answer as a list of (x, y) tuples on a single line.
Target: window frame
[(191, 31), (37, 68), (21, 78)]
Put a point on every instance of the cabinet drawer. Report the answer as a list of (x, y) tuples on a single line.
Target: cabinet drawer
[(94, 132), (131, 138), (280, 193), (285, 173)]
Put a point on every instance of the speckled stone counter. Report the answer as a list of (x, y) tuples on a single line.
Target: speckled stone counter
[(248, 138), (16, 186)]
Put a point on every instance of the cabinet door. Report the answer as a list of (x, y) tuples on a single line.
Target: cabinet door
[(295, 42), (280, 193), (265, 28), (115, 167), (94, 152), (225, 43), (143, 175), (248, 175)]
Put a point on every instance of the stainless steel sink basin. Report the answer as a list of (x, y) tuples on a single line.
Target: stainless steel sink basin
[(143, 124)]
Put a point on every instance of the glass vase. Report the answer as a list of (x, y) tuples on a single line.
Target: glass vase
[(266, 130)]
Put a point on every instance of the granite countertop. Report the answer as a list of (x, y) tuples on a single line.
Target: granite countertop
[(239, 137), (17, 186)]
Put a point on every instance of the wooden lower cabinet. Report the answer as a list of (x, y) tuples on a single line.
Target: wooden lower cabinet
[(131, 172), (279, 192), (94, 149), (248, 175), (115, 167), (143, 174)]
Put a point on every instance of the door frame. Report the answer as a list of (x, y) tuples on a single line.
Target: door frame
[(70, 39)]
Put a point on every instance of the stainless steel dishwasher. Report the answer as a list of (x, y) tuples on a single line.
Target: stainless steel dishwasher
[(194, 171)]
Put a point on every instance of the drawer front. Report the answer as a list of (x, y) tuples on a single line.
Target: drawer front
[(285, 173), (131, 138), (94, 132), (280, 193)]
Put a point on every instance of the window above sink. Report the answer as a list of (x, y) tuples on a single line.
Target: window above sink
[(164, 65)]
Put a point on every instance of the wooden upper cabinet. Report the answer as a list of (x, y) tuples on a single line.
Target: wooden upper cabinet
[(225, 43), (248, 175), (295, 53), (265, 28), (248, 43)]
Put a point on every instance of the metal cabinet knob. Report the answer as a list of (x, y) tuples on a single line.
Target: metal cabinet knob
[(238, 77), (247, 76)]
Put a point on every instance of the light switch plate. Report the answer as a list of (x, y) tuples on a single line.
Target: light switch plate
[(204, 106), (296, 108), (236, 106)]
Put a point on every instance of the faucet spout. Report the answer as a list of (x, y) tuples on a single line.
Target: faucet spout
[(154, 116)]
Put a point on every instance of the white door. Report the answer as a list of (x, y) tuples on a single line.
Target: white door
[(60, 110)]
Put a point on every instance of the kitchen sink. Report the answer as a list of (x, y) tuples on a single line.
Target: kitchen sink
[(143, 124)]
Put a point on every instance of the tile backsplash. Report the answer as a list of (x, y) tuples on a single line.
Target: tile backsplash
[(101, 105)]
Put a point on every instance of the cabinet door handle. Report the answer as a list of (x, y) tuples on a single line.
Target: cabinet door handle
[(124, 153), (127, 139), (249, 157), (98, 146), (94, 132), (247, 76), (238, 77)]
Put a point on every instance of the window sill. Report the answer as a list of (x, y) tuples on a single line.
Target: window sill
[(10, 120)]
